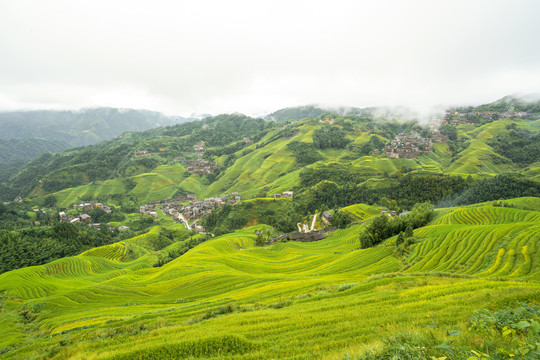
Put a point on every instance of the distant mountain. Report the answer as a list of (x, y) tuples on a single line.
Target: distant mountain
[(51, 131), (21, 149), (511, 103), (313, 111)]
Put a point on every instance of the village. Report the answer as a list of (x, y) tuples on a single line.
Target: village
[(192, 211), (84, 217), (197, 166), (456, 118), (412, 145)]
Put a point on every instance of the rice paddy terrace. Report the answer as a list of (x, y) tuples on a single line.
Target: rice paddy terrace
[(268, 166), (227, 298)]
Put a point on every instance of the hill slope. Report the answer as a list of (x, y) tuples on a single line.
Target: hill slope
[(288, 300), (313, 111), (267, 166), (27, 134)]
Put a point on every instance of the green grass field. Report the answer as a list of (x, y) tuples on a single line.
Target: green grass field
[(229, 299)]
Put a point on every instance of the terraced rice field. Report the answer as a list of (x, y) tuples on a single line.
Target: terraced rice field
[(96, 190), (478, 158), (161, 183), (360, 212), (327, 299), (271, 168), (483, 241)]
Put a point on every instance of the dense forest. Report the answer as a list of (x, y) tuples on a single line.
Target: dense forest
[(21, 150), (520, 146), (40, 245), (281, 214)]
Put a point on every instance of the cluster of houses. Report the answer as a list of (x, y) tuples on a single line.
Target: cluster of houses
[(457, 118), (193, 211), (151, 207), (200, 166), (285, 194), (247, 140), (198, 148), (412, 145), (327, 120), (93, 204), (86, 219), (83, 217)]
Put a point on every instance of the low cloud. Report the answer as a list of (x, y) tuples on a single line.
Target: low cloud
[(214, 57)]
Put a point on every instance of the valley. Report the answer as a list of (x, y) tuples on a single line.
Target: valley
[(424, 243)]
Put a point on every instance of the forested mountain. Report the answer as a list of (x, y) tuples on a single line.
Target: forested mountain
[(24, 149), (513, 103), (312, 111), (27, 134)]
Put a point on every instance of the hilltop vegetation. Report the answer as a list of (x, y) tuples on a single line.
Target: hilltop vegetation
[(512, 103), (312, 111), (40, 245)]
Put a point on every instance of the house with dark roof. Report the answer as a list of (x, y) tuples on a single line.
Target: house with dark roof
[(326, 217)]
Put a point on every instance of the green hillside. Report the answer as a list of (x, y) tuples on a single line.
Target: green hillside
[(312, 111), (28, 134), (257, 170), (513, 103), (275, 162), (20, 150), (227, 298)]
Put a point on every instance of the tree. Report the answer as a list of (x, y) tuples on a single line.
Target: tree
[(400, 239), (449, 131), (262, 237), (409, 231), (340, 219), (330, 137), (49, 201), (365, 240), (99, 215)]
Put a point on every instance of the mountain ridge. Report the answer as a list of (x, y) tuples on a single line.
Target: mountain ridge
[(70, 128)]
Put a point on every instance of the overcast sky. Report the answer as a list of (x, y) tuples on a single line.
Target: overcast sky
[(183, 57)]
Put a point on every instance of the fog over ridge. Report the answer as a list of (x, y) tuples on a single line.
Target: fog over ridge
[(189, 57)]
